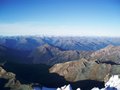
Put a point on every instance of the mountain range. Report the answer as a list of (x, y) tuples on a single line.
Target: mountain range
[(65, 43), (50, 55), (53, 50), (57, 61)]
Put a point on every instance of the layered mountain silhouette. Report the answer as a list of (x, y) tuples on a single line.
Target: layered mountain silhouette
[(52, 50), (65, 43), (100, 63), (51, 55)]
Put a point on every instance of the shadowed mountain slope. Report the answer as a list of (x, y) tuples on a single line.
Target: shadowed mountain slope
[(51, 55), (38, 74)]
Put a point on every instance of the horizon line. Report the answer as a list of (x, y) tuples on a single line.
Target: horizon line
[(59, 36)]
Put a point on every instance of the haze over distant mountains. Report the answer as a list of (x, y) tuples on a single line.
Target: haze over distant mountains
[(52, 50), (65, 43)]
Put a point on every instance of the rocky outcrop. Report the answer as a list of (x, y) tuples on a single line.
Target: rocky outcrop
[(6, 75), (12, 83)]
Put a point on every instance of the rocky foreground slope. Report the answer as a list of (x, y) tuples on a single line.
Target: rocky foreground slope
[(85, 70), (101, 63), (12, 84)]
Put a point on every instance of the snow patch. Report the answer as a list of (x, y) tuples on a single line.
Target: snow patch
[(68, 87), (112, 84)]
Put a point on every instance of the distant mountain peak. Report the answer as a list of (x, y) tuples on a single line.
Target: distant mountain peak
[(108, 54), (47, 45)]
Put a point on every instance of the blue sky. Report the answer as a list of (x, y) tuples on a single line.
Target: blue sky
[(60, 17)]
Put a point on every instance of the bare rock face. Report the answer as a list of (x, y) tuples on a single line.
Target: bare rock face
[(6, 75), (108, 54), (2, 72), (81, 70), (9, 75)]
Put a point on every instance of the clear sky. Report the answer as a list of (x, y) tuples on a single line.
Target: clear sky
[(60, 17)]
